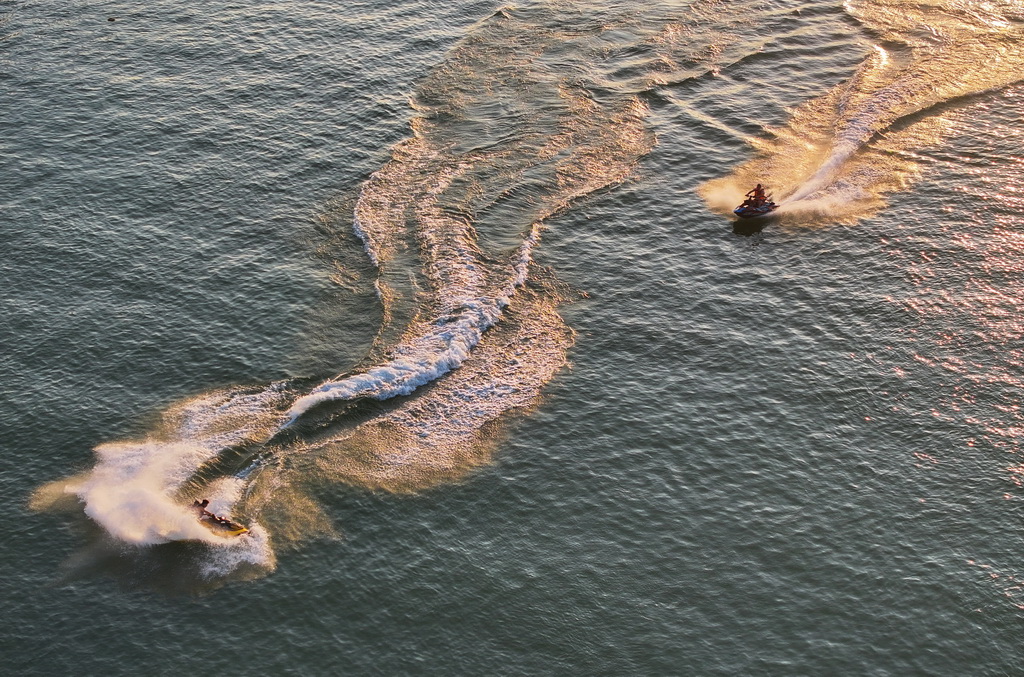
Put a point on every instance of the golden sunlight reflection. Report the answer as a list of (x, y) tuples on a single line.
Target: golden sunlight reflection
[(968, 287)]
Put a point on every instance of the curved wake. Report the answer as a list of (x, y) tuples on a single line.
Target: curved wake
[(537, 108)]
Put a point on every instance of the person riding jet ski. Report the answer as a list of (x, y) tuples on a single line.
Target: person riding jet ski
[(216, 523), (755, 196), (756, 204), (200, 508)]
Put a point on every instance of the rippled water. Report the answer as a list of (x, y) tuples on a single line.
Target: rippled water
[(442, 300)]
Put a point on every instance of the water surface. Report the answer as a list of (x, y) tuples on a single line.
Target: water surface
[(444, 302)]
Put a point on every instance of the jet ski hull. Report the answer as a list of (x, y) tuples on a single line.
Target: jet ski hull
[(222, 526), (749, 212)]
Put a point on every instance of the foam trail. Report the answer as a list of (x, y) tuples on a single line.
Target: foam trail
[(863, 123), (429, 356), (519, 122)]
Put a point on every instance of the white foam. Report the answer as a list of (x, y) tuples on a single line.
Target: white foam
[(132, 490), (129, 492), (448, 341), (252, 549)]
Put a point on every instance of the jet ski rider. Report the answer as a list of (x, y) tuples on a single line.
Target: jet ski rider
[(200, 508), (756, 196)]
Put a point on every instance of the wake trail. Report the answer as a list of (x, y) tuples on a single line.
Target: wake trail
[(429, 356), (535, 109)]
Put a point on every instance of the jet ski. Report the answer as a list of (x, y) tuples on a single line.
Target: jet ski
[(748, 210), (756, 204), (221, 526)]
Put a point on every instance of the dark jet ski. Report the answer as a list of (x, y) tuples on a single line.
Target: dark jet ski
[(753, 211), (756, 204)]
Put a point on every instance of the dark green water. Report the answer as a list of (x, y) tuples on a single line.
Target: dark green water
[(788, 452)]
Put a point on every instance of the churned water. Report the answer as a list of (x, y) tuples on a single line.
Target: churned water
[(445, 303)]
